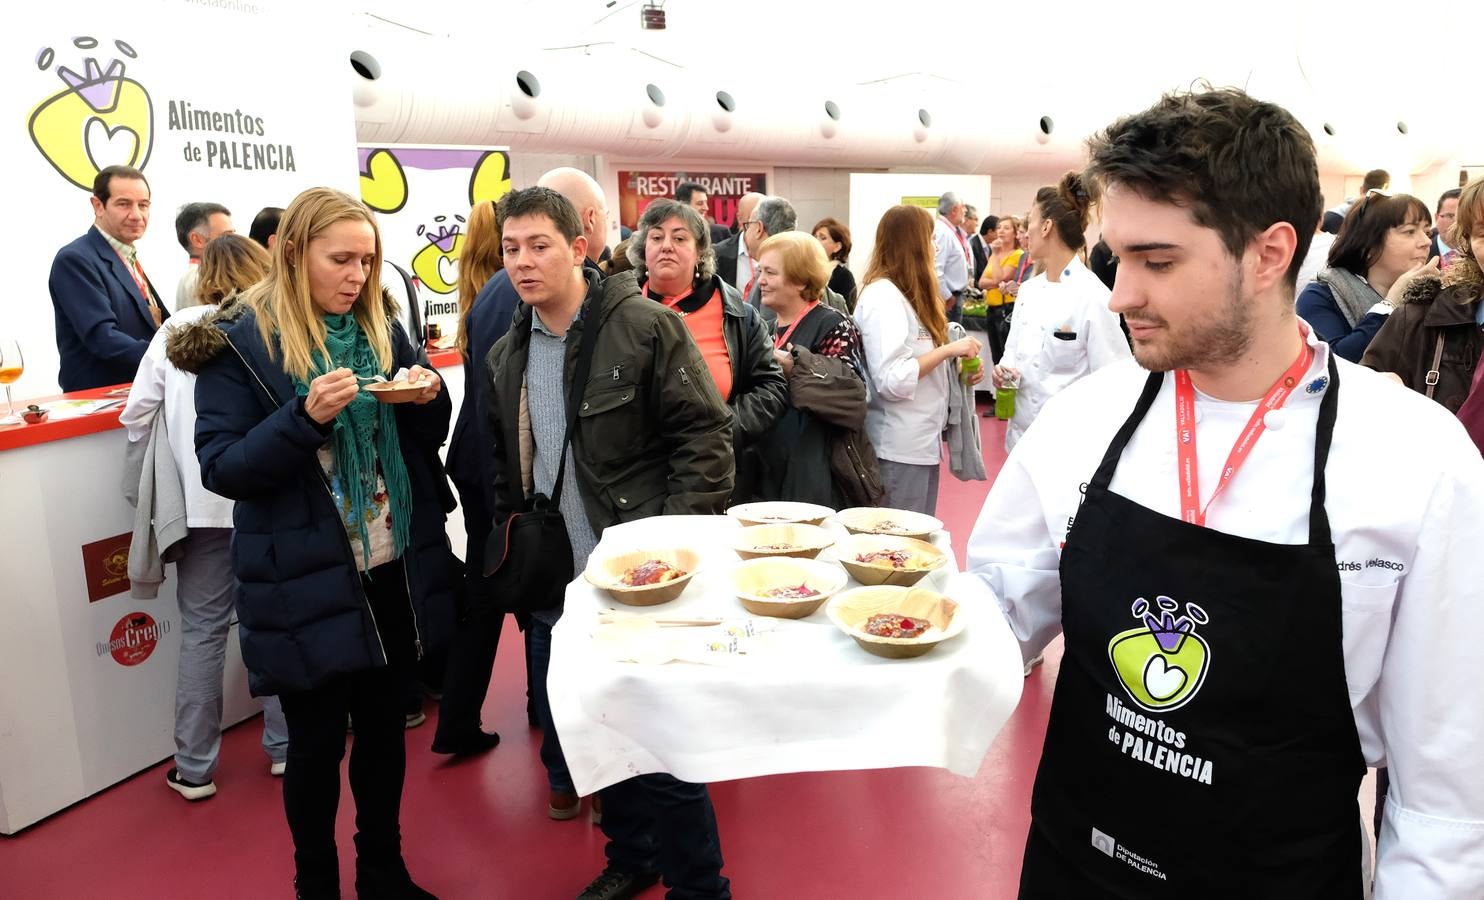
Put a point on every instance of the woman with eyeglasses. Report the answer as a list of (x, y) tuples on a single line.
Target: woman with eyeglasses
[(1381, 246)]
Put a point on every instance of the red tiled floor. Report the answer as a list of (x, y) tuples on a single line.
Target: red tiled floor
[(478, 828)]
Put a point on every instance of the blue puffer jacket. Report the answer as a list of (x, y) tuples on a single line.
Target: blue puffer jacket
[(303, 614)]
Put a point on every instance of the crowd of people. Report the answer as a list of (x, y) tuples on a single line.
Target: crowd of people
[(693, 367)]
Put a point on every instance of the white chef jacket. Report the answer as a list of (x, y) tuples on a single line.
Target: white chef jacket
[(905, 412), (158, 382), (1078, 305), (1406, 507)]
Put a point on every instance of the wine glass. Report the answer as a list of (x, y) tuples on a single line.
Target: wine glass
[(12, 364)]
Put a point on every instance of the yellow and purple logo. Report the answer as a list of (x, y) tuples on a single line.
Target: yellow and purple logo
[(101, 118)]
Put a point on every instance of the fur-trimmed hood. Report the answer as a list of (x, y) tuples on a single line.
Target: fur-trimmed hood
[(190, 347), (1463, 282)]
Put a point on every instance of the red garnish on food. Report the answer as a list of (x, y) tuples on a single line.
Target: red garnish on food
[(892, 625), (897, 558), (802, 592)]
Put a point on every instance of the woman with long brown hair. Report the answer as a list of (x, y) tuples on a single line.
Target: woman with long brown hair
[(479, 260), (345, 578), (163, 398), (905, 332)]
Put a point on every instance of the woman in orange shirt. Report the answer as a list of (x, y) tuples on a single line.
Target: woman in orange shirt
[(675, 265)]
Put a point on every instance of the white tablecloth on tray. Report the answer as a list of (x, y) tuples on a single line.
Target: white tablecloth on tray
[(820, 703)]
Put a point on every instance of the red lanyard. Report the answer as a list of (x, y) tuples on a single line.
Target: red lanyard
[(782, 340), (1189, 470), (961, 242)]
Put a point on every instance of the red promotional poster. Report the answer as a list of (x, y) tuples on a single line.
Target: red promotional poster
[(105, 564), (723, 190)]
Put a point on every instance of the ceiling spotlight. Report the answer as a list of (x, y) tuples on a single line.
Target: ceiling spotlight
[(652, 16)]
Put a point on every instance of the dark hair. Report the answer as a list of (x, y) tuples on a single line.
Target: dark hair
[(265, 224), (1363, 235), (1450, 194), (542, 201), (102, 184), (989, 224), (1238, 164), (1375, 179), (686, 189), (838, 233), (1067, 205), (193, 216)]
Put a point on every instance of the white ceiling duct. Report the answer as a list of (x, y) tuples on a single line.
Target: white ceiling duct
[(656, 95)]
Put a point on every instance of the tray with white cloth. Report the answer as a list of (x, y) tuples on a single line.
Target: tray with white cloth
[(806, 699)]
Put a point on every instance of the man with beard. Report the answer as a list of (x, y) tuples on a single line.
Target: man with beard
[(1251, 617)]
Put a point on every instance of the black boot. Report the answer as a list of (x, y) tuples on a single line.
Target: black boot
[(306, 888), (387, 881)]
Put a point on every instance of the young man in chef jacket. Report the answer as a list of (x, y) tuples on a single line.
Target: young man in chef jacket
[(1251, 615)]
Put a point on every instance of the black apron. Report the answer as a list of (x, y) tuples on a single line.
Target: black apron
[(1201, 741)]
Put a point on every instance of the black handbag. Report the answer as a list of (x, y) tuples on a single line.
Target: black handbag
[(528, 556)]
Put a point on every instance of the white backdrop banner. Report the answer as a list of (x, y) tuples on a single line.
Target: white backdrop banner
[(422, 197), (240, 103)]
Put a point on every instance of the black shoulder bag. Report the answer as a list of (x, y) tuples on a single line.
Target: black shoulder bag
[(528, 557)]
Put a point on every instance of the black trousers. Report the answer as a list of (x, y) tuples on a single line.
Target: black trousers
[(316, 719), (657, 823), (471, 658)]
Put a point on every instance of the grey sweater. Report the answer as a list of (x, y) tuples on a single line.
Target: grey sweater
[(152, 484)]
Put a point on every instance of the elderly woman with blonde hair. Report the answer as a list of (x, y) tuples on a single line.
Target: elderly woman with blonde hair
[(345, 576), (817, 452)]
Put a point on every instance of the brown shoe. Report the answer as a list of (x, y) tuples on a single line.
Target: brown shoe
[(597, 813), (563, 805)]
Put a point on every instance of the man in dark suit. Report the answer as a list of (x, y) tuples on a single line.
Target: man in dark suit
[(979, 243), (729, 251), (106, 308), (1447, 214)]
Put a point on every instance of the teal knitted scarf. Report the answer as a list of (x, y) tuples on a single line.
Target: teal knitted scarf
[(364, 433)]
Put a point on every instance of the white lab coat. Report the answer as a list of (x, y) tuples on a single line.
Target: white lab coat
[(1406, 507), (1077, 304)]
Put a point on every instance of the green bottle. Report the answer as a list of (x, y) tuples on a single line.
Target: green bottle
[(1004, 399)]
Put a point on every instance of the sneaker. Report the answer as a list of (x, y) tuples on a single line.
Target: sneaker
[(563, 805), (614, 884), (277, 769), (415, 719), (191, 790), (1040, 658)]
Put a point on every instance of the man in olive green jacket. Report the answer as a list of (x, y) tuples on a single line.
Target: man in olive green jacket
[(651, 437)]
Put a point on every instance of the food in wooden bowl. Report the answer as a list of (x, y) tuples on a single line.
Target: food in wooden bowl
[(785, 588), (644, 577), (396, 391), (799, 541), (884, 520), (883, 559), (895, 622), (780, 512)]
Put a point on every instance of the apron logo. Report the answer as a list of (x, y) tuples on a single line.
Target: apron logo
[(1162, 664)]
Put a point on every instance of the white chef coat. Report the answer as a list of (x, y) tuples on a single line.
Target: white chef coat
[(158, 382), (905, 412), (1078, 305), (1406, 507)]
